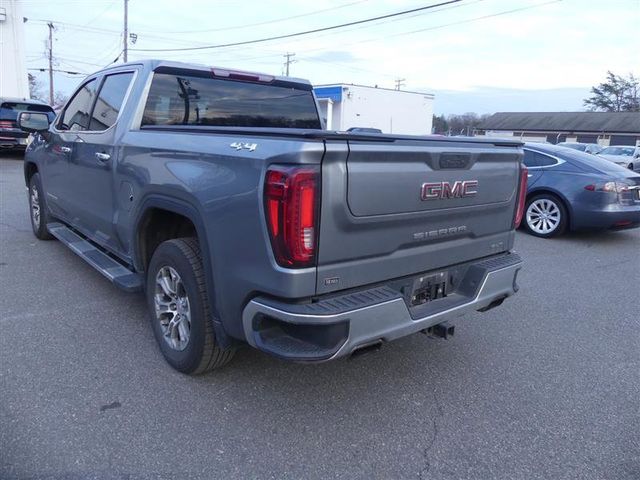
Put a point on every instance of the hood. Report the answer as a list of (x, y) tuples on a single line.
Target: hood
[(617, 158)]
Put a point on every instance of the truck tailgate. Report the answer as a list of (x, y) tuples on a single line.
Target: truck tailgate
[(397, 208)]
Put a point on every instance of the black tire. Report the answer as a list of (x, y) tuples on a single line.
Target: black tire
[(39, 214), (557, 205), (201, 353)]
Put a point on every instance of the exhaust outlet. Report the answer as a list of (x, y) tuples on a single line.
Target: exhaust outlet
[(366, 348)]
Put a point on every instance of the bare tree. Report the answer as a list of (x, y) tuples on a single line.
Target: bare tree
[(35, 87)]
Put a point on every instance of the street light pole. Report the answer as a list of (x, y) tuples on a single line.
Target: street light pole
[(50, 55), (126, 30)]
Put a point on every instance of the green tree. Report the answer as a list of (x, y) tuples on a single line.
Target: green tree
[(440, 124), (615, 94)]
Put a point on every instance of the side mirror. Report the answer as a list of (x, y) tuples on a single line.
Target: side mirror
[(33, 122)]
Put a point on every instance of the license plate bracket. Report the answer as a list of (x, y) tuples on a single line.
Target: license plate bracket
[(428, 288)]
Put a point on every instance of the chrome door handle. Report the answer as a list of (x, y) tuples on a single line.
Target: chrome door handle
[(103, 157), (65, 149), (529, 175)]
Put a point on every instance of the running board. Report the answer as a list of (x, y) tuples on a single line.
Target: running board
[(119, 275)]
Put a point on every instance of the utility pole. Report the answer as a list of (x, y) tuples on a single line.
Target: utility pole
[(289, 60), (50, 55), (400, 83), (125, 39)]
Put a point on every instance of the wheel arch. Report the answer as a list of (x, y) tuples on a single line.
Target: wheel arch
[(155, 203), (30, 169)]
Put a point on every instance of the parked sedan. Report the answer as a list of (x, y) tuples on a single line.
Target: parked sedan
[(582, 147), (623, 155), (571, 190)]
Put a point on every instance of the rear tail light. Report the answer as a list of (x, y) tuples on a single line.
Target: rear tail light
[(291, 197), (522, 195), (611, 187), (6, 125)]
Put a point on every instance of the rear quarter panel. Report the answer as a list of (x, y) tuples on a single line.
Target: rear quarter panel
[(224, 186)]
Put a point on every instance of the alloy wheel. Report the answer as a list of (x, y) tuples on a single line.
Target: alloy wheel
[(35, 206), (543, 216), (172, 308)]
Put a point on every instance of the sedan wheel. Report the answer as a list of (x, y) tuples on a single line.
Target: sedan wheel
[(545, 216)]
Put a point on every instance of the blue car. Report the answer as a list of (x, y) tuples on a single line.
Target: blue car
[(571, 190)]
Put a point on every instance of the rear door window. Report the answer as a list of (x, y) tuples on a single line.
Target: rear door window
[(110, 100), (535, 159), (176, 99), (76, 114)]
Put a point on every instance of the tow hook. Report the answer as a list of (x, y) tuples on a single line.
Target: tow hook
[(441, 330)]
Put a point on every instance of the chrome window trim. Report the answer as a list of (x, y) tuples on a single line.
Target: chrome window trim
[(100, 78), (558, 160), (136, 122)]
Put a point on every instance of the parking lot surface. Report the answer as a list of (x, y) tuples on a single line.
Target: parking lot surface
[(546, 386)]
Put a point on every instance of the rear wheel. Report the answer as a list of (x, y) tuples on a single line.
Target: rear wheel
[(38, 209), (545, 216), (179, 308)]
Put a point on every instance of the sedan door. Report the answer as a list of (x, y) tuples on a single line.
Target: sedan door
[(533, 162)]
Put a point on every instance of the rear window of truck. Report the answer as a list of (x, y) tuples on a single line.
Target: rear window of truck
[(176, 99)]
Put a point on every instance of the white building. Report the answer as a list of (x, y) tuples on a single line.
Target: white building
[(13, 69), (392, 111)]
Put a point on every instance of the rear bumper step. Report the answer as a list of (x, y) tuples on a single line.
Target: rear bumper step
[(338, 326), (120, 275)]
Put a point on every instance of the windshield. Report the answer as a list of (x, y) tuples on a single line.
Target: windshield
[(625, 151), (576, 146)]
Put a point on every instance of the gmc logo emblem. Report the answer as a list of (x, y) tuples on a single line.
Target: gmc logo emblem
[(443, 190)]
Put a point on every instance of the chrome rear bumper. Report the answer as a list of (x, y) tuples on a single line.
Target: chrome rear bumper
[(337, 326)]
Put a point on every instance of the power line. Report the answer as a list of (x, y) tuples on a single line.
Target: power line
[(57, 70), (267, 22), (297, 34), (437, 27)]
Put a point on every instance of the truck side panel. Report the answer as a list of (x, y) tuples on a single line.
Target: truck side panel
[(226, 190)]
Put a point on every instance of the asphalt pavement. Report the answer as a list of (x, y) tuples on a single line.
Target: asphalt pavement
[(545, 387)]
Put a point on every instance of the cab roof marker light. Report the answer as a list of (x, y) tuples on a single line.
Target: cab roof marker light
[(241, 75)]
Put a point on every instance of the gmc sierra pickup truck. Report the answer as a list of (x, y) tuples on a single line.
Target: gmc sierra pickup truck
[(219, 194)]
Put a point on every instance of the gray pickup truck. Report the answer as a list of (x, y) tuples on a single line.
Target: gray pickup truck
[(219, 194)]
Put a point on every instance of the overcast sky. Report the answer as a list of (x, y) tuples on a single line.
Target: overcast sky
[(475, 55)]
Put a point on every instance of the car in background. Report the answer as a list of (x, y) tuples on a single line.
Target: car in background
[(592, 148), (572, 190), (622, 155), (363, 130), (12, 137)]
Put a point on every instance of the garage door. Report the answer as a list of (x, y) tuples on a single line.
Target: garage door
[(554, 138), (622, 140), (588, 138)]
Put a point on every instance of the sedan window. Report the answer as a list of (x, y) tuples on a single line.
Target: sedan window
[(535, 159)]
